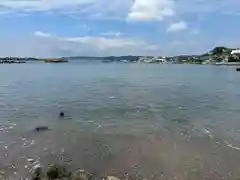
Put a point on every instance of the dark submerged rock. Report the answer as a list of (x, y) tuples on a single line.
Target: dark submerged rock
[(62, 114), (38, 174), (58, 172), (41, 128)]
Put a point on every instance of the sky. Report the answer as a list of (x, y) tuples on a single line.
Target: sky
[(55, 28)]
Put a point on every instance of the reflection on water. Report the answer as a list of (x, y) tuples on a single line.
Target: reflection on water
[(181, 120)]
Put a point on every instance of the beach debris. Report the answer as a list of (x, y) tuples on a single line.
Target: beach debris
[(57, 171), (82, 175), (30, 160), (111, 178), (6, 128), (233, 147), (2, 175), (27, 143), (41, 128), (209, 134)]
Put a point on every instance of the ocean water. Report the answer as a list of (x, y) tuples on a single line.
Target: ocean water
[(148, 120)]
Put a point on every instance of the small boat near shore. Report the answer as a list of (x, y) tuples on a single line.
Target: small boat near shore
[(56, 60)]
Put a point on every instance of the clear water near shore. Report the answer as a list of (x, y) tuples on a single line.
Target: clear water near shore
[(144, 119)]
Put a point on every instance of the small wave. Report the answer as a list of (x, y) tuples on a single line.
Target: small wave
[(91, 122)]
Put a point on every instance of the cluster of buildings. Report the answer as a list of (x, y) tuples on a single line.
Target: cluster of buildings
[(154, 60)]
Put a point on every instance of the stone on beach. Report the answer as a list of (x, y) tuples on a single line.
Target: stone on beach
[(38, 174), (111, 178), (57, 172), (82, 175)]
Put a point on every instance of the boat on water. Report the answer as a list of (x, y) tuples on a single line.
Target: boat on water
[(62, 60), (228, 63)]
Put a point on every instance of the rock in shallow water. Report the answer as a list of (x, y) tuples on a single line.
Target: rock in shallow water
[(38, 174), (41, 128), (82, 175), (57, 172)]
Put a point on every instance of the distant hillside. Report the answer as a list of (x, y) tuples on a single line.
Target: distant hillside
[(220, 50), (84, 58), (220, 53), (107, 58), (121, 58)]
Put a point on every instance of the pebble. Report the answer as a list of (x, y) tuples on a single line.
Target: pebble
[(30, 160), (111, 178), (81, 175), (36, 166), (2, 174)]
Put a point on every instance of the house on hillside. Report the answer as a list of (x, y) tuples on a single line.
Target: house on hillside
[(235, 56), (235, 52)]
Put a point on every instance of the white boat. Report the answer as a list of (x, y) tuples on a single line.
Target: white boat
[(228, 63)]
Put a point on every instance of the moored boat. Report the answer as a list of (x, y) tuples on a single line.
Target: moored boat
[(55, 60)]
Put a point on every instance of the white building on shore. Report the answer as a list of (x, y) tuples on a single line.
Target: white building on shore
[(235, 52), (153, 60)]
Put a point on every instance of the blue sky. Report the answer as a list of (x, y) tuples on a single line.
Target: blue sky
[(50, 28)]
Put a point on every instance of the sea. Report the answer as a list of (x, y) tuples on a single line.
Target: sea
[(146, 121)]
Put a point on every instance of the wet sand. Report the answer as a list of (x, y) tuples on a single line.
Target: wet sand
[(158, 155)]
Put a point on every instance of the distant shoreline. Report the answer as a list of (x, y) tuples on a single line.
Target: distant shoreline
[(217, 56)]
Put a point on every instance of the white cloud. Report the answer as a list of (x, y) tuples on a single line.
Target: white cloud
[(132, 10), (42, 5), (42, 34), (102, 43), (151, 10), (175, 27), (57, 46), (96, 9), (112, 33), (43, 44)]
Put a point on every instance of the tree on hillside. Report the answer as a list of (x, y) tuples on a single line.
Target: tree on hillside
[(219, 50)]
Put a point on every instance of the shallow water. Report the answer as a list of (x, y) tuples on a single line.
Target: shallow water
[(152, 121)]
